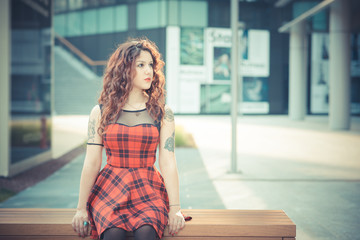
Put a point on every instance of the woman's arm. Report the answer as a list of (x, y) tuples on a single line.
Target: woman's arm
[(91, 168), (169, 171)]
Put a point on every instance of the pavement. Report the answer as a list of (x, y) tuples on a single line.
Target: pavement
[(301, 167)]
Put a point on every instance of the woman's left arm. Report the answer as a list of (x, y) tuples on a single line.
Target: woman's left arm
[(169, 171)]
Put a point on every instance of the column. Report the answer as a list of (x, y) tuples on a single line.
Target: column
[(234, 82), (339, 66), (298, 72), (5, 66)]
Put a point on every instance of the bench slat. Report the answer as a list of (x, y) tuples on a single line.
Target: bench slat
[(131, 238), (208, 223)]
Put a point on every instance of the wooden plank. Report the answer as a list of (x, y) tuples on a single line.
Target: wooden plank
[(42, 238), (189, 230), (131, 238), (205, 223), (226, 238), (288, 238), (233, 217)]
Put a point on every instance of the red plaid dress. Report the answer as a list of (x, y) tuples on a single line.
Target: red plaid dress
[(129, 191)]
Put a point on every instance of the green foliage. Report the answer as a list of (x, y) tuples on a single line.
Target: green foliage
[(183, 138), (5, 194), (27, 133)]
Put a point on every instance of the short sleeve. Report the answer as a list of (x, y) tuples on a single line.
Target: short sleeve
[(94, 121)]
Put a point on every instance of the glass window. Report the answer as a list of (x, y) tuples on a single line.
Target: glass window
[(75, 4), (90, 3), (74, 24), (90, 22), (173, 13), (60, 5), (219, 14), (107, 2), (121, 18), (150, 14), (193, 13), (106, 20), (60, 24), (163, 12), (301, 7), (30, 86), (319, 21)]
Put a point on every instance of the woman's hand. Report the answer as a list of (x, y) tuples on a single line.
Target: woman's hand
[(176, 220), (80, 217)]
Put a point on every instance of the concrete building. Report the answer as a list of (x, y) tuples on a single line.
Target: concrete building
[(297, 57), (26, 82), (194, 37)]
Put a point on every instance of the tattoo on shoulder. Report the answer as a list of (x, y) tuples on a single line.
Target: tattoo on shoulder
[(91, 130), (170, 143), (169, 115)]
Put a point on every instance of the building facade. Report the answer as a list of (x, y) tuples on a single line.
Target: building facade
[(194, 38), (26, 84)]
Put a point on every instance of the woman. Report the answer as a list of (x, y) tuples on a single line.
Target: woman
[(131, 120)]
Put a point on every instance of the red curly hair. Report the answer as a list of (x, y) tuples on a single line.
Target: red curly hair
[(118, 77)]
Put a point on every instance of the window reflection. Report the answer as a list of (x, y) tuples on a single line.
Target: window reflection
[(30, 79)]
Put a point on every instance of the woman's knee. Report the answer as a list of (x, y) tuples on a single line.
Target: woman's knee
[(114, 234), (145, 232)]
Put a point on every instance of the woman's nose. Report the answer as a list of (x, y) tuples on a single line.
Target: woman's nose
[(148, 69)]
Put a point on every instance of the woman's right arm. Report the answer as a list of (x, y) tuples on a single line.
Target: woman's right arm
[(91, 168)]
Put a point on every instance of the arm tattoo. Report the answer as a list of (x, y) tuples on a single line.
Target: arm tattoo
[(91, 130), (169, 115), (170, 143)]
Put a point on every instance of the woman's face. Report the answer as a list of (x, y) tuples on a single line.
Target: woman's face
[(143, 71)]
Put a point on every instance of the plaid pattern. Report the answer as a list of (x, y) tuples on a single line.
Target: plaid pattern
[(129, 191)]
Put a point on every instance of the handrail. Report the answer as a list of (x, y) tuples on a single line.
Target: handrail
[(321, 6), (79, 53)]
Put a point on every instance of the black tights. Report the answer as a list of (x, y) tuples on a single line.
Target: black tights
[(145, 232)]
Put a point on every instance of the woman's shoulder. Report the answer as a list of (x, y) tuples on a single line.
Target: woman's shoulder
[(96, 110), (169, 114)]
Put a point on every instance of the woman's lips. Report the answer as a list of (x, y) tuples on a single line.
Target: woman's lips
[(148, 79)]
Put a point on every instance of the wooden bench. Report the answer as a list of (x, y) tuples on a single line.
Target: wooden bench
[(205, 224)]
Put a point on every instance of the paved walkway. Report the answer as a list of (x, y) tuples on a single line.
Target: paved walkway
[(313, 174)]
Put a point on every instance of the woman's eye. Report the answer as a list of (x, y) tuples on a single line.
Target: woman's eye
[(151, 65), (140, 65)]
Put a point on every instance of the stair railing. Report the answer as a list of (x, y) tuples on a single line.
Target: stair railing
[(96, 66)]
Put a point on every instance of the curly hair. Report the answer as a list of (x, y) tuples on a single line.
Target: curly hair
[(118, 77)]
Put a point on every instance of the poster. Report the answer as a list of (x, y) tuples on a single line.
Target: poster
[(319, 93), (189, 97), (218, 42), (192, 46), (319, 73), (254, 53), (198, 69), (183, 81), (355, 55), (255, 89), (172, 67), (355, 73), (215, 98), (222, 64), (255, 97), (192, 54), (254, 57)]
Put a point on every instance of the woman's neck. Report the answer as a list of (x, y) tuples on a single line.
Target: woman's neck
[(136, 99)]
